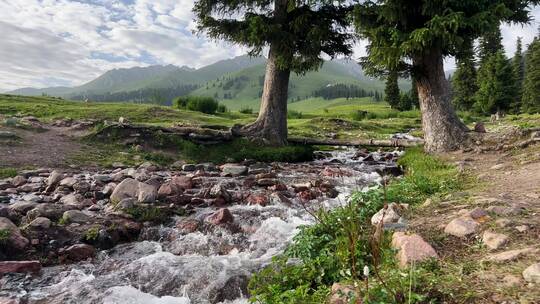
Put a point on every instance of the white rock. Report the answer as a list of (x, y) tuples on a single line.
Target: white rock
[(494, 240), (532, 273), (461, 227)]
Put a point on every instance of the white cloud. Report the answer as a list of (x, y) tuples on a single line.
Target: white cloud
[(55, 42)]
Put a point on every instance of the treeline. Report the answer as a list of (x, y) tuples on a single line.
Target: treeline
[(161, 96), (486, 81), (345, 91), (401, 101)]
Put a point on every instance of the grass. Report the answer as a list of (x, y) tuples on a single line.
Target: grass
[(4, 235), (8, 172)]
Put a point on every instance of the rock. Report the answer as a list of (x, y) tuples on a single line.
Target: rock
[(81, 187), (511, 280), (128, 188), (76, 216), (301, 187), (40, 223), (108, 189), (391, 215), (522, 228), (54, 178), (51, 211), (503, 211), (169, 189), (257, 199), (68, 182), (344, 294), (188, 225), (461, 227), (498, 167), (532, 273), (18, 181), (183, 182), (146, 193), (222, 216), (477, 213), (29, 187), (277, 198), (235, 287), (189, 167), (412, 248), (218, 191), (79, 252), (22, 207), (479, 127), (335, 172), (19, 267), (494, 240), (265, 182), (510, 255), (234, 169), (503, 222), (15, 239), (72, 199)]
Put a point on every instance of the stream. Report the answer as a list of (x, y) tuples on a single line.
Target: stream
[(169, 265)]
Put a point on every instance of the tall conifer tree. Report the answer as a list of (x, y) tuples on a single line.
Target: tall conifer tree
[(518, 67), (531, 83), (297, 33), (464, 79), (415, 35)]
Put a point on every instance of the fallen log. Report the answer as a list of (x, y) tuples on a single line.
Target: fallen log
[(405, 143)]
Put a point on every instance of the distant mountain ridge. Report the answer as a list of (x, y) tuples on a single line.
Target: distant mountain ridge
[(239, 78)]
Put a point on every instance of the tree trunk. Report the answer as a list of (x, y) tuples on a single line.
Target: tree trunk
[(271, 125), (443, 131)]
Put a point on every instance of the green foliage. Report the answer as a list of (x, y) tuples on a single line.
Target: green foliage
[(8, 172), (221, 108), (202, 104), (299, 31), (246, 110), (531, 83), (490, 44), (496, 85), (391, 90), (4, 235), (518, 67), (464, 80), (292, 114), (143, 213), (241, 149), (400, 30), (91, 234)]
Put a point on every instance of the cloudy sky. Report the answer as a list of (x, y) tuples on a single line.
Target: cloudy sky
[(68, 42)]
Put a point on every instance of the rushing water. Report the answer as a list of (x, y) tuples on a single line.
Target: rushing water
[(210, 266)]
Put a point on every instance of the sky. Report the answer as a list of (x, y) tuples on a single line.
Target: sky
[(67, 42)]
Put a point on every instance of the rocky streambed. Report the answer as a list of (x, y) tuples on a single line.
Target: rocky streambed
[(153, 235)]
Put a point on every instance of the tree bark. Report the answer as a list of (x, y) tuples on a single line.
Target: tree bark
[(271, 125), (443, 130)]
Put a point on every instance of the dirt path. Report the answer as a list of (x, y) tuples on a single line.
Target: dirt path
[(506, 186), (51, 147)]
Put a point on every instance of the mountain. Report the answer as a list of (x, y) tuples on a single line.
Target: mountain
[(235, 81), (156, 76)]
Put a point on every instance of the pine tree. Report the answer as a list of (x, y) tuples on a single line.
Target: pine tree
[(415, 102), (297, 34), (415, 35), (496, 85), (490, 44), (518, 67), (531, 82), (464, 79), (391, 90)]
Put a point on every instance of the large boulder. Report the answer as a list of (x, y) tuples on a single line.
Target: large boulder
[(79, 252), (532, 273), (461, 227), (183, 182), (412, 248), (76, 216), (130, 188), (19, 266), (12, 234), (234, 169)]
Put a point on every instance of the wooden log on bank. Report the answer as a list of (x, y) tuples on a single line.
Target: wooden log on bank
[(404, 143)]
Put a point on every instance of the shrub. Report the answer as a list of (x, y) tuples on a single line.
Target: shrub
[(292, 114), (221, 108), (8, 172), (202, 104), (246, 110), (359, 115), (4, 235)]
